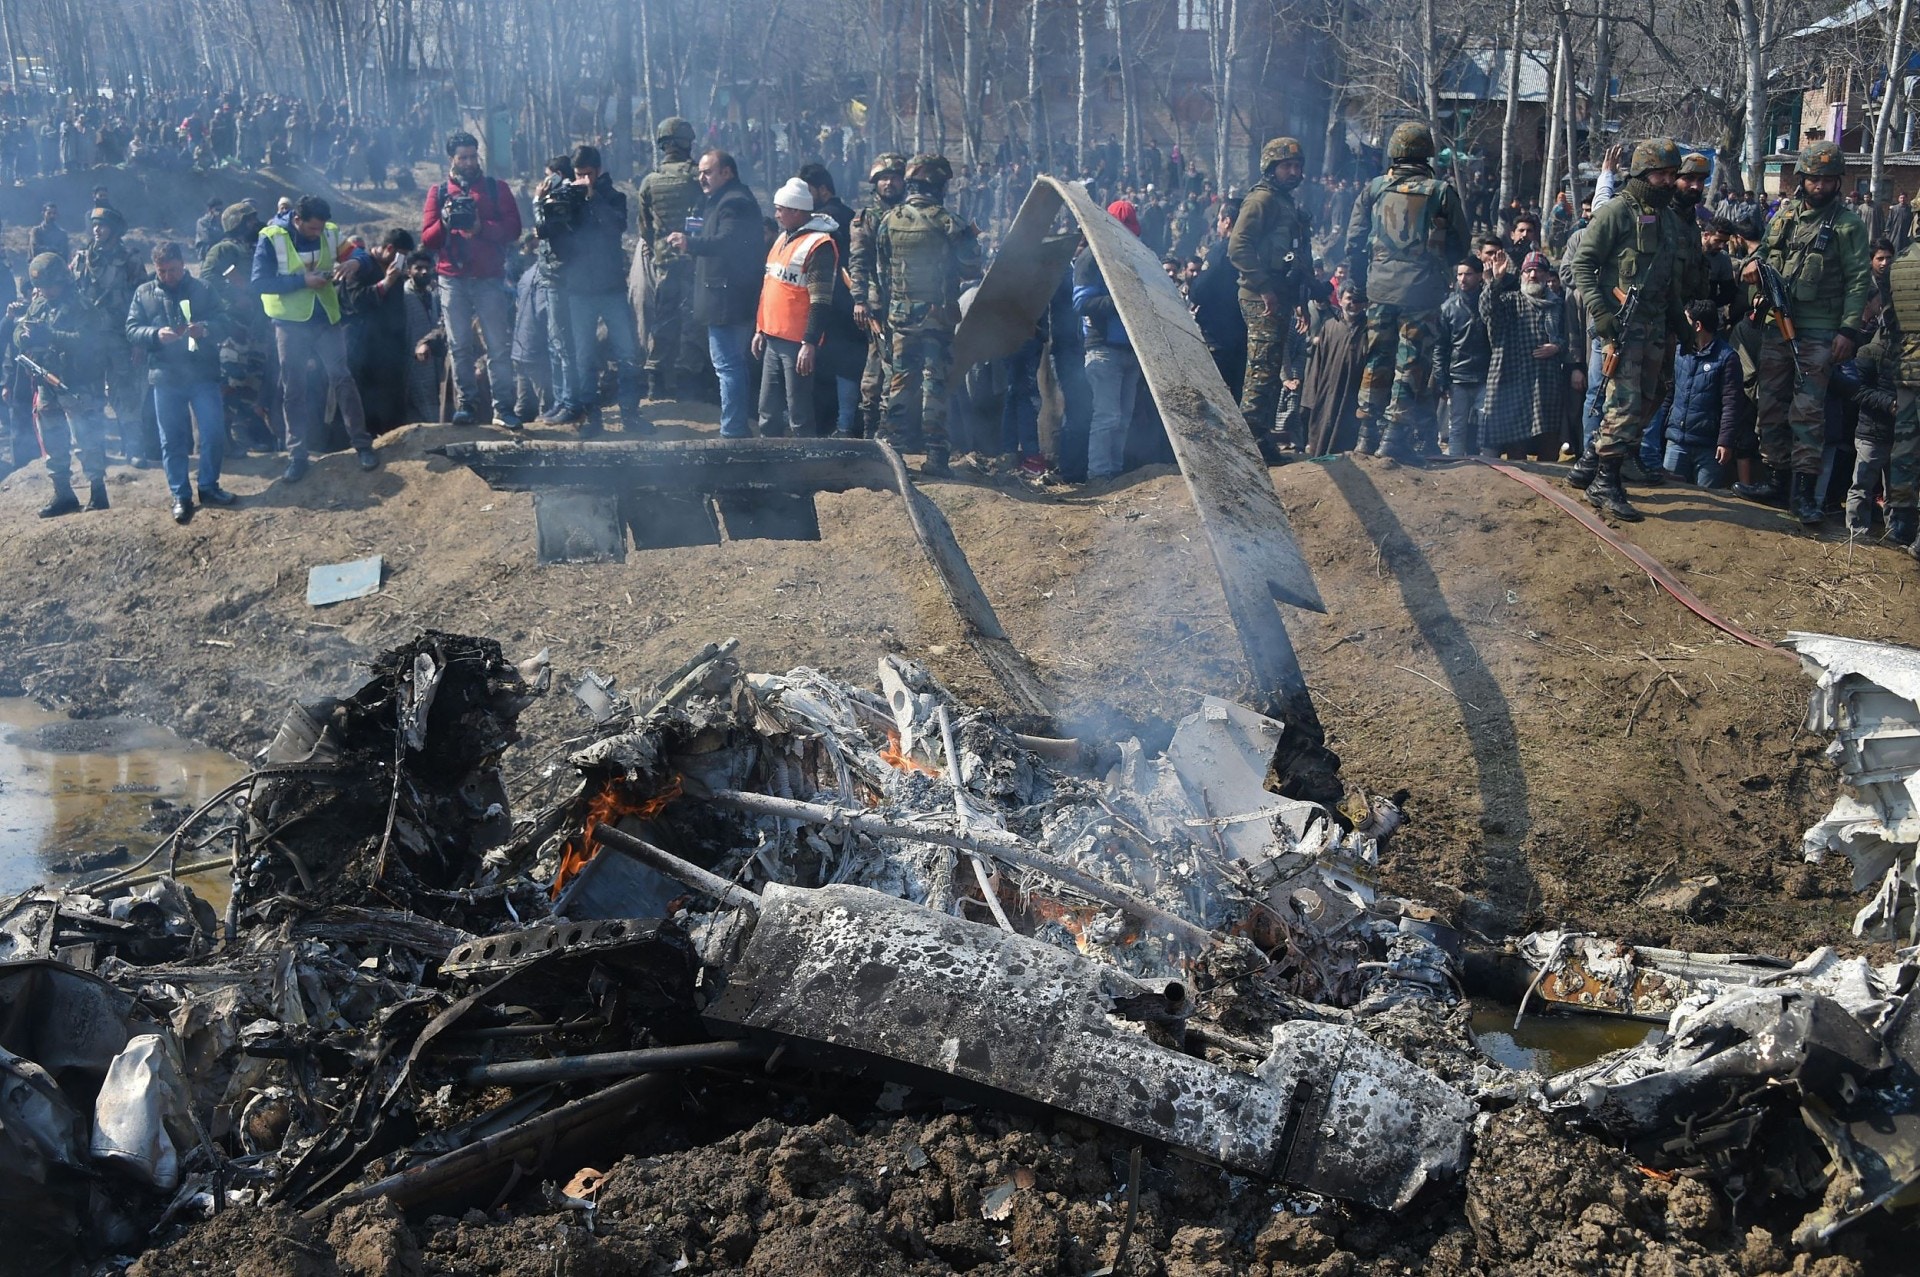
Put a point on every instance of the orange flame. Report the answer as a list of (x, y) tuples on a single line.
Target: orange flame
[(610, 806), (893, 758)]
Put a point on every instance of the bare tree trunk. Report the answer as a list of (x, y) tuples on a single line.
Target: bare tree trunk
[(622, 167), (1034, 105), (1600, 98), (1896, 73), (1567, 118), (1509, 157), (1080, 112), (1228, 13), (1753, 52), (1550, 170), (1129, 115), (971, 59), (1337, 91)]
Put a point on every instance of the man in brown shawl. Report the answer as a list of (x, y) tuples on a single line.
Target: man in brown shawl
[(1527, 381), (1331, 390)]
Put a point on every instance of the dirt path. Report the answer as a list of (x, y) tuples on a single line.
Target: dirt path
[(1565, 728)]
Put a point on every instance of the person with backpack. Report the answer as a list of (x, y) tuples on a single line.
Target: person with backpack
[(469, 223), (1405, 234)]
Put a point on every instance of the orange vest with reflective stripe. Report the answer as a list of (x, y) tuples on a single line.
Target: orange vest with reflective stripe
[(783, 294)]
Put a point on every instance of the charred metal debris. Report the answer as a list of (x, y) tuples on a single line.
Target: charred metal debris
[(415, 992)]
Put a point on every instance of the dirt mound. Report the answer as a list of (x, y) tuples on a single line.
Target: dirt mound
[(1566, 729)]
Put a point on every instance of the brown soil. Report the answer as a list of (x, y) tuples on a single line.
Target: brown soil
[(1566, 730)]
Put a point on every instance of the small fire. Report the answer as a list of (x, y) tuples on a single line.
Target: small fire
[(610, 806), (893, 758)]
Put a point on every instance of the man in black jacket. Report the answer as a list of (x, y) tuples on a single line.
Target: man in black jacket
[(730, 254), (1216, 305), (1460, 357), (593, 275), (179, 322)]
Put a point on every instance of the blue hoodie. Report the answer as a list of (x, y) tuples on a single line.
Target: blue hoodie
[(1095, 304), (267, 277)]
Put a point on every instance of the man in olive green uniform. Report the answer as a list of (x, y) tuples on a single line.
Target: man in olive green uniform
[(1271, 246), (246, 370), (888, 177), (1893, 450), (105, 276), (1820, 248), (60, 332), (668, 196), (1407, 232), (1696, 284), (1628, 271), (923, 256)]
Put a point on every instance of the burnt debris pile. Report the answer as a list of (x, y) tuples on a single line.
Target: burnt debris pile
[(426, 991)]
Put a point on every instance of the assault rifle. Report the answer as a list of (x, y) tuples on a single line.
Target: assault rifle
[(37, 372), (1773, 296), (1629, 307)]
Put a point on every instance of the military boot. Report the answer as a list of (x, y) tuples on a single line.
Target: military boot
[(936, 463), (1584, 469), (633, 422), (1398, 445), (1607, 496), (1369, 436), (64, 502), (1633, 472), (97, 496), (1902, 524), (1806, 501)]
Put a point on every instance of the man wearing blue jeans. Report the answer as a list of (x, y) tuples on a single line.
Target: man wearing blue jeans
[(180, 322), (1113, 370), (729, 251), (593, 277)]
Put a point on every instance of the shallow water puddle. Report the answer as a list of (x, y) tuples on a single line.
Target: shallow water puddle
[(1548, 1042), (72, 789)]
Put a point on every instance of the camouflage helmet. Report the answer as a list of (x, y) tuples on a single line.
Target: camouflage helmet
[(1653, 153), (47, 268), (1694, 164), (930, 168), (1822, 159), (110, 217), (1280, 149), (1410, 141), (887, 162), (673, 129), (234, 216)]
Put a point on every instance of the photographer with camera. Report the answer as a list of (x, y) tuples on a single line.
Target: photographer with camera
[(469, 223), (593, 280)]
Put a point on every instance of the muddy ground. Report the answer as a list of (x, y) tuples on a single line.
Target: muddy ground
[(1565, 730)]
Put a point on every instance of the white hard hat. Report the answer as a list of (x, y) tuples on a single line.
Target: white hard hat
[(795, 194)]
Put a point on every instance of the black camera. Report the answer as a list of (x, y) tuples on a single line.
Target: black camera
[(461, 212)]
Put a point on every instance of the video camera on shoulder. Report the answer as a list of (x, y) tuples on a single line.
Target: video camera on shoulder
[(460, 212)]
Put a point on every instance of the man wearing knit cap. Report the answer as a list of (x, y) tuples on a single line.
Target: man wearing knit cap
[(796, 300)]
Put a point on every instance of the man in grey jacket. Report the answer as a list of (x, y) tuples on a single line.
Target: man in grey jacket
[(1460, 359)]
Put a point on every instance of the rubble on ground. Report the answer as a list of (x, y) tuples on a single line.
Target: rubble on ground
[(418, 997)]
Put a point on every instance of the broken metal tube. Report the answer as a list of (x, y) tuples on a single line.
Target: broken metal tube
[(682, 871), (1004, 847), (614, 1063)]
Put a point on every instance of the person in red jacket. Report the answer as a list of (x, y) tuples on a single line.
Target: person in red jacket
[(469, 223)]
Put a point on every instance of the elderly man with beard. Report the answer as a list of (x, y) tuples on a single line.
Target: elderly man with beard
[(1819, 247), (1527, 375)]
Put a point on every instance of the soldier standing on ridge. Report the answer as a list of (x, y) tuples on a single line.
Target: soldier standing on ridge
[(1272, 248), (888, 178), (668, 197)]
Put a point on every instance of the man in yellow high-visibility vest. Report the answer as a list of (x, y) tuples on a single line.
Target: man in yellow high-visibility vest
[(296, 263)]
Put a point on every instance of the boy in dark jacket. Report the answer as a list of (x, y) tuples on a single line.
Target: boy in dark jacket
[(1703, 416)]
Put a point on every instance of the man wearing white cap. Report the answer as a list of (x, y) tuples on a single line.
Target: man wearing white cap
[(796, 302)]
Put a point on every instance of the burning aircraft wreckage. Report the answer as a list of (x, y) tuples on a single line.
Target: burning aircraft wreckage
[(416, 993)]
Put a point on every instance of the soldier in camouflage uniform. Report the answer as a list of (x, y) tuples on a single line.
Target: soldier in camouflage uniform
[(1630, 254), (246, 352), (60, 332), (1891, 448), (106, 275), (1271, 247), (888, 177), (1820, 248), (668, 197), (1696, 284), (1405, 235), (923, 256)]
